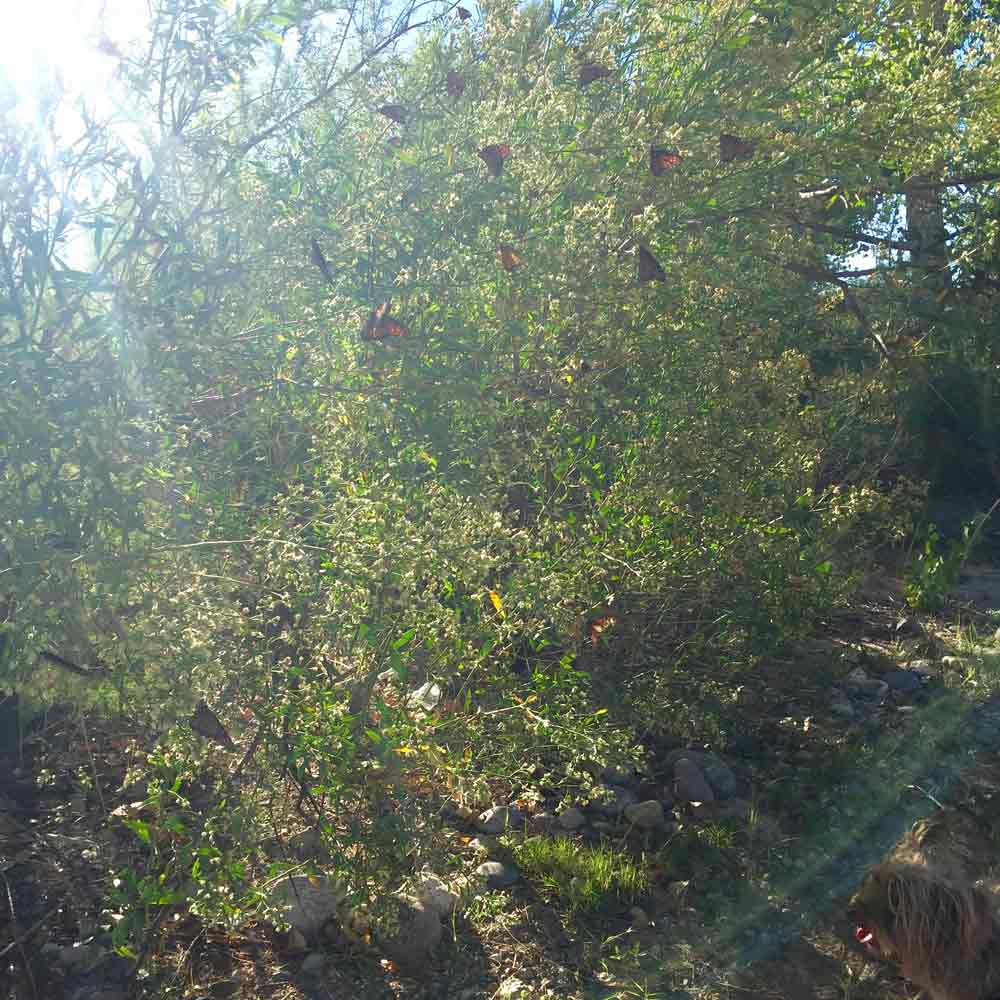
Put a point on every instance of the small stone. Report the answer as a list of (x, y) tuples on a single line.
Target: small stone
[(716, 812), (721, 778), (500, 819), (542, 822), (497, 875), (842, 707), (617, 776), (872, 690), (908, 626), (426, 696), (903, 681), (612, 801), (312, 964), (307, 902), (435, 894), (571, 818), (923, 667), (72, 956), (410, 937), (690, 784), (646, 815)]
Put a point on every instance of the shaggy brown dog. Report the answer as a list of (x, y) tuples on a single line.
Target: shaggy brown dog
[(922, 910)]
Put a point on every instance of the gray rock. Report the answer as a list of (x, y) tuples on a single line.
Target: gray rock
[(646, 815), (571, 818), (904, 681), (923, 667), (908, 626), (501, 818), (714, 769), (308, 846), (434, 893), (71, 956), (409, 935), (612, 801), (541, 822), (721, 778), (690, 784), (604, 826), (497, 875), (716, 812), (307, 903), (312, 964), (617, 776), (841, 707)]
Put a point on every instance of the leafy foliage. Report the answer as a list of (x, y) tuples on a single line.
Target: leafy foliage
[(357, 388)]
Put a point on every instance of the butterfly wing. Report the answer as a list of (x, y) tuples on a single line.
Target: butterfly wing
[(318, 258), (394, 112), (463, 14), (649, 267), (732, 147), (662, 160), (393, 328), (206, 723), (589, 72), (493, 156), (510, 258), (372, 330)]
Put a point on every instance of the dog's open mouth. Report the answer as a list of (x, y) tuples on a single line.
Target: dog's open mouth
[(866, 936)]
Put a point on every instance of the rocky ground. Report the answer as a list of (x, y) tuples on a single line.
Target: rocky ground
[(748, 849)]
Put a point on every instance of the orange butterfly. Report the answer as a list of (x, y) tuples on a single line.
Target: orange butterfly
[(380, 325), (318, 258), (206, 723), (456, 84), (494, 156), (589, 72), (394, 112), (598, 626), (732, 147), (510, 258), (662, 160), (649, 267)]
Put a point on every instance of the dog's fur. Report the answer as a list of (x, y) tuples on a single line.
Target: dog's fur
[(923, 910)]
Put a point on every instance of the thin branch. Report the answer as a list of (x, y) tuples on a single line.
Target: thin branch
[(818, 274)]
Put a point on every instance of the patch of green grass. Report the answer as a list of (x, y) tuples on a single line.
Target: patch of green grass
[(579, 878)]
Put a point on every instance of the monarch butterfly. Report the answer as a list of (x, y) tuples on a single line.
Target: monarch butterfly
[(598, 626), (510, 258), (589, 72), (394, 112), (206, 723), (732, 147), (494, 156), (380, 325), (662, 160), (456, 84), (463, 14), (649, 267), (316, 253)]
